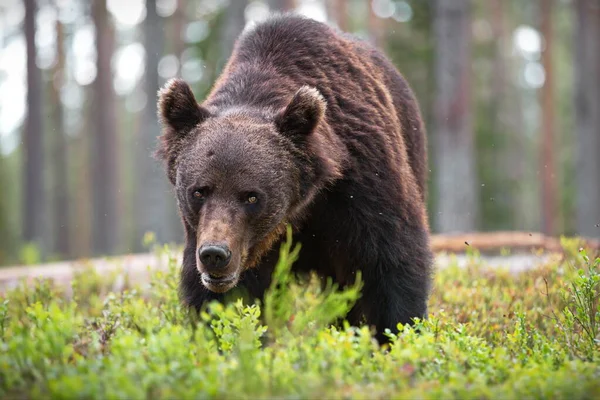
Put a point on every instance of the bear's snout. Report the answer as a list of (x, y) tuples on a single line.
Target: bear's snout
[(214, 258), (218, 267)]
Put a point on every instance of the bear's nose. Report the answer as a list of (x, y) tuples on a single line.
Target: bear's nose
[(214, 257)]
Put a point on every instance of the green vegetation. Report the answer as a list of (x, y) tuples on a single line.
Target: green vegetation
[(490, 335)]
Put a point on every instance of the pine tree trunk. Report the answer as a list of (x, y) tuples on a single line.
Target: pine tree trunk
[(457, 189), (281, 5), (587, 115), (81, 192), (547, 164), (232, 26), (522, 194), (60, 190), (179, 18), (501, 200), (376, 27), (104, 150), (33, 155), (179, 21), (338, 12), (154, 203)]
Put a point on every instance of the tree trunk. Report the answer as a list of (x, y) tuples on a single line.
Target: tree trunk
[(178, 25), (104, 150), (376, 28), (457, 189), (587, 116), (81, 192), (495, 135), (547, 165), (33, 157), (232, 26), (179, 21), (154, 204), (499, 121), (281, 5), (6, 229), (60, 190), (338, 12), (523, 194)]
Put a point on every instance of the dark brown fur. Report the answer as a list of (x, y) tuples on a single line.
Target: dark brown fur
[(329, 132)]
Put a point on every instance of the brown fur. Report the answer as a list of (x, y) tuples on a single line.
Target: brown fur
[(329, 134)]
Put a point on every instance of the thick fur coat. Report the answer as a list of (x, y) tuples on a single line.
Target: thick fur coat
[(312, 127)]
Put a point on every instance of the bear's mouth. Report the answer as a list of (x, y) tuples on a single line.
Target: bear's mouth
[(219, 284)]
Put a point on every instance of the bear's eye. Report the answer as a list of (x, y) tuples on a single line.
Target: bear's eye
[(251, 198), (199, 194)]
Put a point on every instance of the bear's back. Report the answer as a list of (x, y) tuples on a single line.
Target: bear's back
[(309, 50), (277, 56), (296, 43), (369, 104), (283, 39)]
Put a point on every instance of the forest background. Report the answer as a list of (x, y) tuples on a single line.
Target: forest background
[(509, 90)]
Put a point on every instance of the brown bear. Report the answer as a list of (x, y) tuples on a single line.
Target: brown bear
[(311, 127)]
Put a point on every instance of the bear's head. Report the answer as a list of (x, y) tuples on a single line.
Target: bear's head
[(240, 175)]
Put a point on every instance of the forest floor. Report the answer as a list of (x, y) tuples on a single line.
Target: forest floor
[(137, 266), (494, 249), (529, 328)]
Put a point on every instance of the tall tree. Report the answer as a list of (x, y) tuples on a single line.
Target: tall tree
[(153, 202), (231, 28), (376, 26), (33, 157), (547, 164), (497, 119), (178, 25), (179, 19), (281, 5), (338, 12), (6, 232), (457, 189), (60, 189), (523, 194), (81, 188), (104, 150), (499, 127), (587, 115)]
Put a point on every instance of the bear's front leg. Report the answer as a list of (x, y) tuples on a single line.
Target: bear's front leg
[(395, 291)]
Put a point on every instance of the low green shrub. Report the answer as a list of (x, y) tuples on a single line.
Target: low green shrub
[(490, 334)]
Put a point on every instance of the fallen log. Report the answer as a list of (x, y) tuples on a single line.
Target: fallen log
[(136, 265), (495, 242)]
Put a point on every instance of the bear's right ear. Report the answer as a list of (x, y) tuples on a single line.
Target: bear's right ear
[(179, 113), (178, 108)]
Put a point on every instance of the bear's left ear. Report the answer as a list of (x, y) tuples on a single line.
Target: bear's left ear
[(178, 113), (303, 113)]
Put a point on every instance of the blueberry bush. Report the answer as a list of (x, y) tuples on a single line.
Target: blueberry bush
[(490, 334)]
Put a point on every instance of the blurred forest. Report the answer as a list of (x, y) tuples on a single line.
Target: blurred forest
[(509, 89)]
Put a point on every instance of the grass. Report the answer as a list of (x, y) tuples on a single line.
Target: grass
[(490, 334)]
